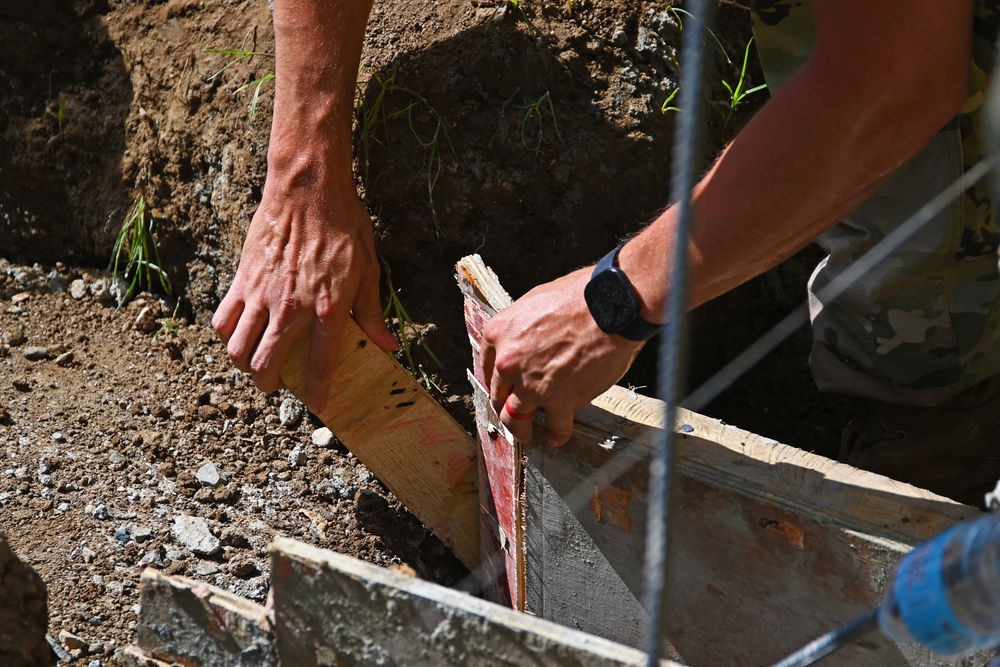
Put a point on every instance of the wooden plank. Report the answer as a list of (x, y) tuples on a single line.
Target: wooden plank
[(190, 623), (772, 546), (334, 610), (404, 436), (501, 473)]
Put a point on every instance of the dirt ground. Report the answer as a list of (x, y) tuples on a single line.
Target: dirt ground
[(529, 133)]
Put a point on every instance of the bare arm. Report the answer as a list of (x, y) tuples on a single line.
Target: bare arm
[(309, 256), (880, 82)]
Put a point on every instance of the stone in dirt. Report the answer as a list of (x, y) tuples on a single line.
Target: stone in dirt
[(290, 412), (323, 437), (35, 353), (209, 474), (193, 533), (23, 614)]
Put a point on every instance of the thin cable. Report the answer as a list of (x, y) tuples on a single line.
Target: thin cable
[(671, 365), (843, 636), (747, 359)]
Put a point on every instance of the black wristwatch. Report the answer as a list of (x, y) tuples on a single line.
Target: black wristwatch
[(613, 302)]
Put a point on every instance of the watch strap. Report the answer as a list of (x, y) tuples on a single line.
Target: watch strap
[(638, 329)]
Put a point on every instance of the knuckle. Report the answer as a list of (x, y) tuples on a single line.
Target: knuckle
[(287, 306)]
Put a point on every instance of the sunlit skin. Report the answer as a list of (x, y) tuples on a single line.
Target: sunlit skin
[(824, 142), (882, 79)]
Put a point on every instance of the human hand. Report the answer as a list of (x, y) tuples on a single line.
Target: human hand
[(545, 351), (308, 262)]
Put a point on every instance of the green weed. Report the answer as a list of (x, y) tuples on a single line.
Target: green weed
[(371, 113), (61, 111), (135, 256), (738, 92), (518, 5), (536, 111), (402, 322), (256, 84)]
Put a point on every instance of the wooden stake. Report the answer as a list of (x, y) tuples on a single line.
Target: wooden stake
[(403, 435)]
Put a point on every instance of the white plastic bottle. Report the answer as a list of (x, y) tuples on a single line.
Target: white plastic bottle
[(946, 593)]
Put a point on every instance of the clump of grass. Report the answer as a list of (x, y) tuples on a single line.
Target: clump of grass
[(371, 113), (237, 56), (519, 6), (536, 111), (738, 92), (135, 257), (402, 322)]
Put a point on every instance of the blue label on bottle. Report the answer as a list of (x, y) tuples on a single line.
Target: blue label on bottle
[(922, 597)]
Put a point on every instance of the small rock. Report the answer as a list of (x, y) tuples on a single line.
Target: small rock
[(57, 648), (290, 412), (141, 533), (154, 558), (22, 384), (209, 474), (243, 569), (35, 353), (323, 437), (101, 512), (193, 533), (78, 289), (14, 336), (58, 437), (146, 321), (297, 457), (20, 297), (101, 290), (88, 555), (208, 412), (206, 569), (72, 642), (64, 359), (234, 537)]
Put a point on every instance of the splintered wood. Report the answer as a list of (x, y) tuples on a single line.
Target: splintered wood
[(404, 436), (770, 546), (329, 609)]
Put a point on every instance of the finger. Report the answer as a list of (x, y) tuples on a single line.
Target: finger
[(488, 354), (243, 342), (269, 357), (324, 353), (517, 415), (559, 425), (227, 316), (499, 391), (368, 314)]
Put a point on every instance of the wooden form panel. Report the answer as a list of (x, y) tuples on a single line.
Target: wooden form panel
[(771, 547), (331, 609), (500, 469), (191, 623), (403, 435)]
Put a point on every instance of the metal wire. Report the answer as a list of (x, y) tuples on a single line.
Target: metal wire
[(671, 365), (843, 636)]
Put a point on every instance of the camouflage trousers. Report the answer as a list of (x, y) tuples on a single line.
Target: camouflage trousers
[(924, 324)]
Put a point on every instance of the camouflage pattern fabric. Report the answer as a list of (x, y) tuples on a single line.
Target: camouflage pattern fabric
[(925, 324)]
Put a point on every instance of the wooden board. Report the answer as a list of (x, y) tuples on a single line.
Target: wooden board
[(772, 546), (190, 623), (404, 436), (500, 471), (331, 609)]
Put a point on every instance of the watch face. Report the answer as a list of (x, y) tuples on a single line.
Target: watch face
[(611, 300)]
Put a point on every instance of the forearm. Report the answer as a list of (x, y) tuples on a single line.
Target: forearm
[(317, 52), (816, 151)]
